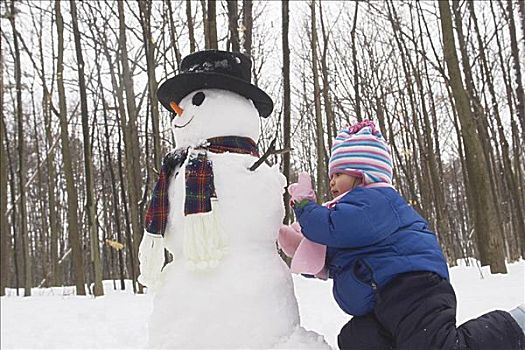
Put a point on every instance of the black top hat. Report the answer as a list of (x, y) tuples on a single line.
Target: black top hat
[(214, 69)]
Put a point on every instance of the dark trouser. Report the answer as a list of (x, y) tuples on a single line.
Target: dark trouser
[(418, 311)]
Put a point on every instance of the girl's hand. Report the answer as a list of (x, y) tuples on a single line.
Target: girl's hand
[(302, 189)]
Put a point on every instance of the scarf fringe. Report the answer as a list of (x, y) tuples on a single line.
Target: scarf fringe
[(204, 240)]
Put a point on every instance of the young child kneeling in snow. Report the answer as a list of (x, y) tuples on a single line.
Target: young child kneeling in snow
[(387, 267)]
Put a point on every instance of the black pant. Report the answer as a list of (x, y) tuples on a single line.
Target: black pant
[(418, 311)]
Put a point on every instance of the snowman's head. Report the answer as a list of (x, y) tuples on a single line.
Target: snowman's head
[(207, 113), (213, 96)]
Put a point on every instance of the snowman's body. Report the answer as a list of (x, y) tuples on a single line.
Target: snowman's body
[(247, 300)]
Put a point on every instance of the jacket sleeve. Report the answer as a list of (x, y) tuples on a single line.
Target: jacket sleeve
[(353, 222)]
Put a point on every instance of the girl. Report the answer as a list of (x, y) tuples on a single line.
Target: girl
[(387, 267)]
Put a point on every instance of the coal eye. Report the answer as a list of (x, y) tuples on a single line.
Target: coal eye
[(198, 98)]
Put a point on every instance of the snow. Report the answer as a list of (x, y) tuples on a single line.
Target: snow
[(54, 318)]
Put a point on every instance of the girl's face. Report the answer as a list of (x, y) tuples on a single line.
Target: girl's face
[(341, 183)]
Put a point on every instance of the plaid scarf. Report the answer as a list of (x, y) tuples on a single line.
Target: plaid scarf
[(199, 178)]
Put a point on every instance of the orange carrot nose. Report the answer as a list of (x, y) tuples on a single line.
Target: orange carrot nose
[(176, 108)]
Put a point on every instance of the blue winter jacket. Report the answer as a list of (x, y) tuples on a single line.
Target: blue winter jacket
[(372, 235)]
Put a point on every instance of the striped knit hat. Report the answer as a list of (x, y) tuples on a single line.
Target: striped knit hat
[(360, 150)]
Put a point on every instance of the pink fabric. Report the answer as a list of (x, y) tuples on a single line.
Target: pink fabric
[(289, 238), (365, 123), (333, 202), (302, 189), (309, 258)]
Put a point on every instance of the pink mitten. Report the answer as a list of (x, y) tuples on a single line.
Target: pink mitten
[(309, 258), (289, 238), (302, 189)]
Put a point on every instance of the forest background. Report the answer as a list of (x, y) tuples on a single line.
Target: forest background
[(82, 134)]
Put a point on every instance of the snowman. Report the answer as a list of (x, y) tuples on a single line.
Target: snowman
[(226, 287)]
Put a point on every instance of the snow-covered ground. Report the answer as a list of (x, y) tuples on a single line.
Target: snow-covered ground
[(55, 318)]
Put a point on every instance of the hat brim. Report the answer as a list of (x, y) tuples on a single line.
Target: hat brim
[(177, 87)]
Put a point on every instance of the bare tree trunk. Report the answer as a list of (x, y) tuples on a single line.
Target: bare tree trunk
[(114, 192), (72, 195), (442, 227), (55, 279), (38, 203), (51, 178), (191, 30), (129, 241), (247, 23), (205, 25), (509, 175), (212, 24), (233, 18), (476, 107), (173, 36), (42, 248), (47, 106), (411, 118), (149, 46), (489, 238), (516, 137), (286, 104), (480, 112), (88, 160), (130, 142), (328, 110), (4, 228), (120, 117), (521, 8), (109, 164), (14, 216), (438, 175), (408, 164), (466, 220), (520, 110), (106, 226), (356, 68), (321, 161), (26, 245), (441, 211)]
